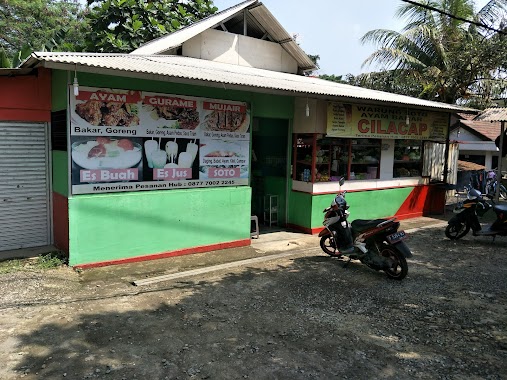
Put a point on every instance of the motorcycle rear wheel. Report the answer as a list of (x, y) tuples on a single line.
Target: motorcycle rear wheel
[(328, 246), (399, 269), (456, 231)]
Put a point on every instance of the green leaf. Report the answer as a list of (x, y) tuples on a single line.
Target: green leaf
[(136, 25), (175, 24), (4, 60)]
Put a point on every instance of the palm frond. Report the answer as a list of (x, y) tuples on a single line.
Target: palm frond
[(493, 13)]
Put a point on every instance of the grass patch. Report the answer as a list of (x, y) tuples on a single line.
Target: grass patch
[(11, 266), (46, 261), (50, 260)]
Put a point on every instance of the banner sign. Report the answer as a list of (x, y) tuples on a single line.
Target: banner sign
[(133, 140), (381, 122)]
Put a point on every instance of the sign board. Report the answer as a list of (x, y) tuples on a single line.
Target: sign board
[(124, 140), (381, 122)]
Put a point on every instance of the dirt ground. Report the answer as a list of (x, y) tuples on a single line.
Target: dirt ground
[(302, 316)]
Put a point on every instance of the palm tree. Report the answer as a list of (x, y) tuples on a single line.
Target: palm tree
[(453, 60)]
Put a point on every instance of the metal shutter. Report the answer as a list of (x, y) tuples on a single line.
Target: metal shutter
[(24, 186)]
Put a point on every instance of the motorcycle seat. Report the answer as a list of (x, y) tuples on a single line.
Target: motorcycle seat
[(500, 208), (360, 225)]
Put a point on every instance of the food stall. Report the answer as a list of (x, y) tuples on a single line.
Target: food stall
[(375, 147)]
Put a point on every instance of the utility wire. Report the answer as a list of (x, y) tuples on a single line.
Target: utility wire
[(453, 16)]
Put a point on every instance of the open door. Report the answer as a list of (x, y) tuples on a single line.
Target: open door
[(269, 171)]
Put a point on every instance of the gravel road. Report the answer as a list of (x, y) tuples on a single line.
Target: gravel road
[(299, 317)]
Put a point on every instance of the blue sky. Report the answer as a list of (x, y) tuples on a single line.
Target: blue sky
[(332, 28)]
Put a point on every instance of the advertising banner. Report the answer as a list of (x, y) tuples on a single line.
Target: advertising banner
[(381, 122), (133, 140)]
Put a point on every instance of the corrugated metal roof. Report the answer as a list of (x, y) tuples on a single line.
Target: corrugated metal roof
[(185, 70), (493, 114), (255, 9)]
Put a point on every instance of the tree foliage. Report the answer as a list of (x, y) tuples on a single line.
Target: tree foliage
[(123, 25), (443, 58), (394, 81), (39, 25)]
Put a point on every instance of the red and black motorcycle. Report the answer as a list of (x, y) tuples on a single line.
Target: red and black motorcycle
[(376, 243)]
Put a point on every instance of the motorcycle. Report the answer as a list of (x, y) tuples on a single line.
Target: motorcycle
[(376, 243), (468, 213), (492, 183)]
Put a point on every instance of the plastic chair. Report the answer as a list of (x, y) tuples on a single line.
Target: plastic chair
[(255, 232)]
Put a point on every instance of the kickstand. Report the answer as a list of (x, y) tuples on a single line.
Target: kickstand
[(347, 263)]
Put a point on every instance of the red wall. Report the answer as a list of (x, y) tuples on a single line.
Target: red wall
[(26, 97)]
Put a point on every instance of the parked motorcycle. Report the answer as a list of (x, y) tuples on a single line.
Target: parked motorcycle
[(492, 183), (376, 243), (468, 213)]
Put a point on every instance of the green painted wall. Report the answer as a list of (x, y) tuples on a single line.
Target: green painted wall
[(263, 105), (105, 227), (300, 209), (58, 90), (118, 226), (60, 172), (363, 205)]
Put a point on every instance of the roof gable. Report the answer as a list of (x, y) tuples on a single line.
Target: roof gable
[(483, 129), (250, 18)]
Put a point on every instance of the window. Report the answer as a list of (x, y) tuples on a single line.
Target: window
[(407, 158), (322, 159), (365, 158)]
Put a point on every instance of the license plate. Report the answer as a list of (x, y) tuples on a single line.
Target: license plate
[(396, 237)]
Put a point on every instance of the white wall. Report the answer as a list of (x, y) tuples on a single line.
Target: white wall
[(215, 45), (387, 159), (317, 119)]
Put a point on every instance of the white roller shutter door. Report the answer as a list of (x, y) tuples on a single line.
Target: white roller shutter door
[(24, 186)]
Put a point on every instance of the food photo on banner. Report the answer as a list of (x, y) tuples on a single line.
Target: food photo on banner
[(130, 140)]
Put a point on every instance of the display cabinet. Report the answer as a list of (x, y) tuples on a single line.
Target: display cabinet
[(304, 157), (322, 159), (408, 156), (364, 158)]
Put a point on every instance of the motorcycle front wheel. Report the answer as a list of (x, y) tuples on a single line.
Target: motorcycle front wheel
[(328, 246), (456, 231), (399, 269)]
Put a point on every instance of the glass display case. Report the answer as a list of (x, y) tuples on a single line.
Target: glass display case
[(408, 158), (322, 159), (365, 158), (304, 154)]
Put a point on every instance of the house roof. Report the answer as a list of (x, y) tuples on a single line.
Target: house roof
[(485, 129), (469, 166), (257, 15), (216, 74), (493, 114), (466, 116)]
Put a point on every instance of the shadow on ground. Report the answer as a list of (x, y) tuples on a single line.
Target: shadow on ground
[(300, 318)]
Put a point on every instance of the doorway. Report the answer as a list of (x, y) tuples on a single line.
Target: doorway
[(270, 150)]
